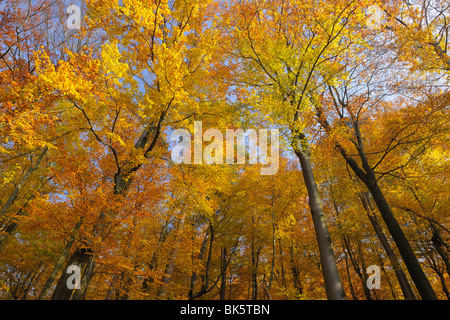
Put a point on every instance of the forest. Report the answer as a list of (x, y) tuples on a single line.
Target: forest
[(351, 97)]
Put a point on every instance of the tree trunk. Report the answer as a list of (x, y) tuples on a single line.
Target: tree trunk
[(349, 253), (415, 270), (333, 284), (255, 260), (347, 268), (86, 278), (205, 288), (272, 265), (444, 286), (369, 294), (440, 245), (35, 276), (59, 264), (146, 283), (282, 267), (21, 183), (367, 175), (112, 293), (402, 280), (386, 276), (368, 178), (123, 179), (82, 258), (12, 225), (298, 286), (360, 271), (223, 284), (200, 257), (161, 293)]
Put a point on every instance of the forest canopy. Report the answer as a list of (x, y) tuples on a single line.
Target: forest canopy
[(224, 149)]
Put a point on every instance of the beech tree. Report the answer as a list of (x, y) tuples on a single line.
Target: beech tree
[(90, 191)]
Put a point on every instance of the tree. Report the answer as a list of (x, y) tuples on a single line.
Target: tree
[(88, 175), (283, 58)]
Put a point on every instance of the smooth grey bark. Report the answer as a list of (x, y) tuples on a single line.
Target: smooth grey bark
[(166, 277), (201, 254), (80, 258), (360, 270), (282, 266), (349, 253), (407, 291), (416, 272), (85, 280), (161, 293), (366, 174), (333, 284), (255, 261), (206, 279), (272, 265), (59, 264), (441, 246), (298, 286), (224, 266)]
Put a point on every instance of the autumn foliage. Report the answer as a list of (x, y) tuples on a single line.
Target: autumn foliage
[(87, 178)]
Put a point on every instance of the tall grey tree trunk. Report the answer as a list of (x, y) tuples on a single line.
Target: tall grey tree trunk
[(83, 259), (282, 266), (333, 284), (441, 246), (147, 282), (416, 272), (402, 280), (360, 271), (298, 286), (224, 266), (59, 264), (366, 174), (112, 293), (255, 251), (255, 260), (161, 293), (201, 254)]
